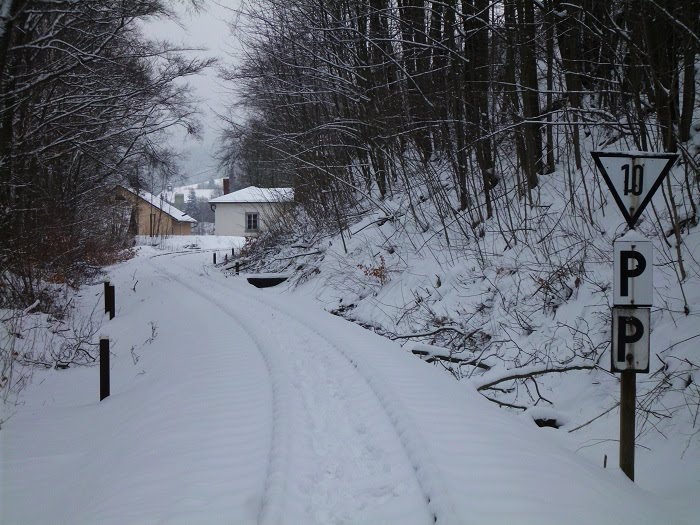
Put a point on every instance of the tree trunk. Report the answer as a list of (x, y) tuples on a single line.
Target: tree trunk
[(530, 91)]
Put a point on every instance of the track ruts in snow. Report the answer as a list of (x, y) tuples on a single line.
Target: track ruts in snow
[(274, 485), (426, 474), (324, 354)]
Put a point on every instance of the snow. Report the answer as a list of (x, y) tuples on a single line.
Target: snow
[(539, 300), (636, 153), (632, 236), (266, 275), (232, 404), (255, 194), (174, 243)]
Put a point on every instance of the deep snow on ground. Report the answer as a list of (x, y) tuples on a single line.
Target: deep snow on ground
[(525, 301), (236, 405), (222, 243)]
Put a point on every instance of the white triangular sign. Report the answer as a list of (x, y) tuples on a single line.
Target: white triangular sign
[(633, 177)]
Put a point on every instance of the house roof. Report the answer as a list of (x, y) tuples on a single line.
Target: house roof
[(255, 194), (162, 205)]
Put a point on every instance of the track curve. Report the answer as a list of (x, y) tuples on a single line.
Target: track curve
[(318, 461)]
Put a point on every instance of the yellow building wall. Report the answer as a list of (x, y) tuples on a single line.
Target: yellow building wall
[(152, 221)]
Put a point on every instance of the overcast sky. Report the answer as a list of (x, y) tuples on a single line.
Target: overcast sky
[(207, 29)]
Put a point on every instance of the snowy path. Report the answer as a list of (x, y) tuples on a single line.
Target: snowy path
[(334, 456), (251, 406)]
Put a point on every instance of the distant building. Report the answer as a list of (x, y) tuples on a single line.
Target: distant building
[(153, 216), (202, 190), (247, 212)]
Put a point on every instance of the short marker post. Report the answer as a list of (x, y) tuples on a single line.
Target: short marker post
[(106, 295), (109, 300), (104, 367)]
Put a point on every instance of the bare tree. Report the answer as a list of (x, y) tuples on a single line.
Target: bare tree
[(85, 101)]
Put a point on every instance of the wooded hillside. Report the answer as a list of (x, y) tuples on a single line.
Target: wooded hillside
[(441, 152), (346, 97)]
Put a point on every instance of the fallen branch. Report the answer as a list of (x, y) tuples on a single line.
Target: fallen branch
[(297, 255), (379, 222), (504, 404), (32, 362), (525, 374), (431, 358), (436, 331), (30, 307), (597, 417)]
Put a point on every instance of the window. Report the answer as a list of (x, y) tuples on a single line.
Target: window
[(251, 221)]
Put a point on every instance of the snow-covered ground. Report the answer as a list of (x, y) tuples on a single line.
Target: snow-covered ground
[(173, 243), (525, 296), (232, 404)]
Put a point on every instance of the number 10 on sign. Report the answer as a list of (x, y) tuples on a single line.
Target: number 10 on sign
[(634, 183)]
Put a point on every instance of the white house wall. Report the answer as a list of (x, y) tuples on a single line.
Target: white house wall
[(229, 217)]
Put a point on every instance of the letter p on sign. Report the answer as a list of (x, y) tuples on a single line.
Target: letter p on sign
[(630, 339), (633, 282)]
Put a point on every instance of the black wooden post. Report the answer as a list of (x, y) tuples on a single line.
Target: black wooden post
[(109, 299), (214, 257), (112, 297), (238, 267), (104, 367), (106, 294), (233, 252), (628, 397)]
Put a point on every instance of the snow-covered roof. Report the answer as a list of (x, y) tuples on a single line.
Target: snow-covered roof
[(255, 194), (162, 205)]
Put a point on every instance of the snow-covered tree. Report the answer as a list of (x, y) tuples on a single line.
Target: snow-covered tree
[(191, 205), (85, 100), (453, 120)]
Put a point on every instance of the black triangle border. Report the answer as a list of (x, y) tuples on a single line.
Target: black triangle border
[(632, 219)]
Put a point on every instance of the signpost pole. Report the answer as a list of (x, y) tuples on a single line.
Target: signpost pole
[(633, 178), (628, 397)]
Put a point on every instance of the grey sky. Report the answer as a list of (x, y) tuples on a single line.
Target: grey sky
[(207, 29)]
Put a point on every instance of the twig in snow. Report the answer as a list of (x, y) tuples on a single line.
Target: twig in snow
[(530, 374), (595, 418)]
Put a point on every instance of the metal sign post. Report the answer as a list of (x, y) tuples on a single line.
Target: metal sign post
[(633, 178)]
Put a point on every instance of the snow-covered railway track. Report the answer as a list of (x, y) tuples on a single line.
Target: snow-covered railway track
[(270, 506), (252, 406), (407, 433), (330, 459)]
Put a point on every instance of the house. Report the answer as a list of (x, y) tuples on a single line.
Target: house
[(249, 211), (154, 216)]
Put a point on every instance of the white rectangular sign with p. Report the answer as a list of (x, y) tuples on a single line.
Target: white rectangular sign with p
[(633, 281)]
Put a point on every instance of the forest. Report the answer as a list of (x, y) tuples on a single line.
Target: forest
[(86, 100), (441, 156), (457, 132), (476, 100)]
